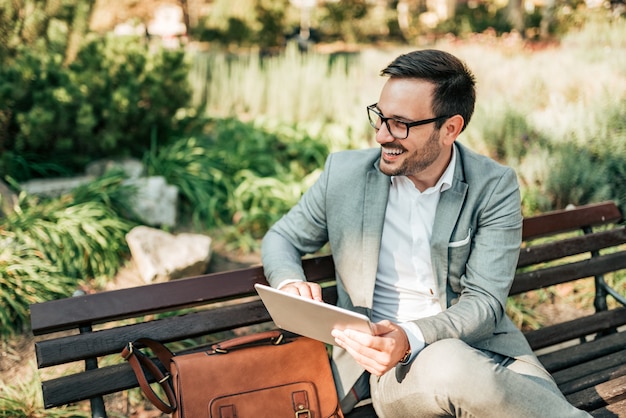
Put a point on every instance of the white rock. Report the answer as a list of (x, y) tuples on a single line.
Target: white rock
[(161, 256)]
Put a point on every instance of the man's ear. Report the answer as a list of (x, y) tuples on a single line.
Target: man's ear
[(451, 129)]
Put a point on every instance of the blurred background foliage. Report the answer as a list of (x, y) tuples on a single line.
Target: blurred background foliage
[(242, 110)]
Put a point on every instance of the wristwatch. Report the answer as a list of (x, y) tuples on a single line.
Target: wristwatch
[(407, 356)]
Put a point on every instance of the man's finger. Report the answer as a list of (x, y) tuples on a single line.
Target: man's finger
[(305, 289)]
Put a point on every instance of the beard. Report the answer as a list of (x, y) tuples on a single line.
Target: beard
[(415, 162)]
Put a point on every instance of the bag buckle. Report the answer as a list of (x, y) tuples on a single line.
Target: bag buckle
[(302, 413), (278, 339), (128, 350)]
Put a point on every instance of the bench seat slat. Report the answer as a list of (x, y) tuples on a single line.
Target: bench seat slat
[(567, 247), (590, 367), (568, 220), (110, 341), (558, 333), (593, 379), (617, 409), (599, 395), (580, 353), (549, 276)]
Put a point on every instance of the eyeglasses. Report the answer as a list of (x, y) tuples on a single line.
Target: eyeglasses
[(397, 128)]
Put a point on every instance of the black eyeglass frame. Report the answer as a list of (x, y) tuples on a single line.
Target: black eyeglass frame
[(408, 125)]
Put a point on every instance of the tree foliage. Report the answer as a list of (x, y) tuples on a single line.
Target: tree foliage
[(67, 98)]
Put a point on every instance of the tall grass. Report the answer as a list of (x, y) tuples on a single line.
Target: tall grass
[(564, 104), (310, 89)]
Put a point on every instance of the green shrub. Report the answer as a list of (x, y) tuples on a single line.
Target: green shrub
[(82, 239), (222, 175), (109, 102), (577, 177), (26, 277)]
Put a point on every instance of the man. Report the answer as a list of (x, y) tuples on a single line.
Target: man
[(425, 236)]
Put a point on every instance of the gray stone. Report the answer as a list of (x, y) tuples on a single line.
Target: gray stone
[(156, 202), (161, 256), (54, 187), (132, 167), (8, 199)]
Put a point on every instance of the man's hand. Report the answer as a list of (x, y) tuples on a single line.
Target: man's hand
[(305, 289), (376, 353)]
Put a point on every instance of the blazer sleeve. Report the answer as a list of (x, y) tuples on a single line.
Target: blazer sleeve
[(303, 230)]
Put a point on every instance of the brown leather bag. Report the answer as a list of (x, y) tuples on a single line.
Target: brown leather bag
[(261, 375)]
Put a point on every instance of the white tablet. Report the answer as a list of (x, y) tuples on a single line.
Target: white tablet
[(308, 317)]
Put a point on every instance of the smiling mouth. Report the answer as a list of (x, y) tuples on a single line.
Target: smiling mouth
[(392, 152)]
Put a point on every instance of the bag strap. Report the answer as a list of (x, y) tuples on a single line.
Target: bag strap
[(137, 359), (272, 337)]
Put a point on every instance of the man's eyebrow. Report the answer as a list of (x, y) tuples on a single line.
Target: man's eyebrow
[(398, 117)]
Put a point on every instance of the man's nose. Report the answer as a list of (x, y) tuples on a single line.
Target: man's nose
[(383, 136)]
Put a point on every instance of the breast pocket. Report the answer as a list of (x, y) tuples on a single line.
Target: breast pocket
[(465, 241), (458, 254)]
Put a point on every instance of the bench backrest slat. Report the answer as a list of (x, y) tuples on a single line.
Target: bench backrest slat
[(89, 384), (558, 333), (60, 315), (109, 341), (541, 253), (568, 220), (538, 279)]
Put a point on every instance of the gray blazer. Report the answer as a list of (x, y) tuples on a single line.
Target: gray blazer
[(475, 246)]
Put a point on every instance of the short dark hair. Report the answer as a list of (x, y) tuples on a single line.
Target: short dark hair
[(455, 91)]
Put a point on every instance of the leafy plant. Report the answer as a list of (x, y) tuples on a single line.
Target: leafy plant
[(110, 101), (26, 277), (577, 178), (222, 176), (81, 239)]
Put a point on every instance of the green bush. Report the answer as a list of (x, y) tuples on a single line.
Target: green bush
[(48, 248), (577, 177), (83, 239), (109, 102), (26, 277), (222, 176)]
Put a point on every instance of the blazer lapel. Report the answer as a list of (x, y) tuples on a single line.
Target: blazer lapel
[(448, 212), (375, 204)]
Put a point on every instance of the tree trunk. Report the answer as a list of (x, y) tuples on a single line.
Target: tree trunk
[(515, 15), (547, 16), (79, 26), (184, 5)]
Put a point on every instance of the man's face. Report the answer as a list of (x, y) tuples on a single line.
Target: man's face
[(421, 156)]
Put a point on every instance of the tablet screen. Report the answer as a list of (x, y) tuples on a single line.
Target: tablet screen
[(309, 317)]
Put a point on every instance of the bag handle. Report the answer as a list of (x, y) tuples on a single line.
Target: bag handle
[(137, 359), (274, 337)]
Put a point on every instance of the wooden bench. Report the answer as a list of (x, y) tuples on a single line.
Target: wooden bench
[(590, 370)]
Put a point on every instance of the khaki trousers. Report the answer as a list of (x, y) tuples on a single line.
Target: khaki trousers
[(451, 379)]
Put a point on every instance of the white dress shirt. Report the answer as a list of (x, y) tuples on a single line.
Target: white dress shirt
[(405, 284)]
